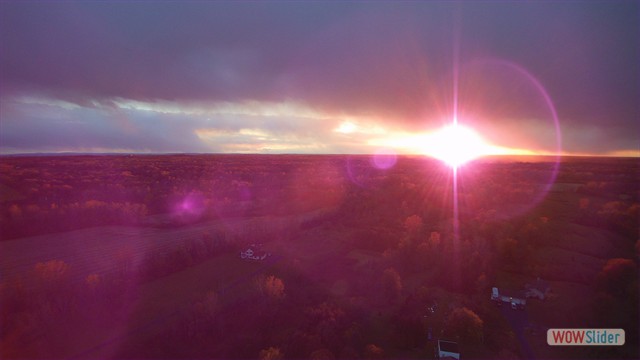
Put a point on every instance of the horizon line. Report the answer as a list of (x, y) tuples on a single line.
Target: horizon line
[(117, 153)]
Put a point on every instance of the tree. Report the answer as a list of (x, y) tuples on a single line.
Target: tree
[(620, 217), (15, 212), (372, 351), (54, 287), (413, 224), (391, 284), (466, 325), (272, 287), (272, 353), (408, 326), (329, 322), (322, 354), (618, 277), (93, 283), (584, 203), (124, 260), (481, 283), (93, 280), (434, 239), (51, 271)]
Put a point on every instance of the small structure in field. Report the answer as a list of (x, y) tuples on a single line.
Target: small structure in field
[(254, 252), (516, 299), (539, 289), (448, 350)]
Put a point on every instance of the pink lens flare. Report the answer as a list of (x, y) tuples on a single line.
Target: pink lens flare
[(523, 96), (190, 207), (364, 172), (384, 159)]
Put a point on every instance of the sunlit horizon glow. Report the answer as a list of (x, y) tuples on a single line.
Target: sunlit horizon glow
[(243, 132), (456, 144), (239, 127), (281, 127)]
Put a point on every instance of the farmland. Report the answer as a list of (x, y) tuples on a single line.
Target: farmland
[(137, 256)]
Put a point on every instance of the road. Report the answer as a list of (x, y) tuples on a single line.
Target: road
[(519, 320)]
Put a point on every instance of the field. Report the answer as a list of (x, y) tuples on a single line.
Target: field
[(139, 256)]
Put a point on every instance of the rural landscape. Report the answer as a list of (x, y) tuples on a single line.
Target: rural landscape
[(314, 256), (284, 180)]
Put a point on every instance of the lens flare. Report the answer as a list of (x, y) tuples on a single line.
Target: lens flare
[(456, 145), (384, 159)]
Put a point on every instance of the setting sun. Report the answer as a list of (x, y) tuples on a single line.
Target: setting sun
[(456, 145)]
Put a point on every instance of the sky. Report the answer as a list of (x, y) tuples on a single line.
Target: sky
[(318, 77)]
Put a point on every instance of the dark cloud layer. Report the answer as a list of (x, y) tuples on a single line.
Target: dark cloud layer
[(389, 60), (90, 129)]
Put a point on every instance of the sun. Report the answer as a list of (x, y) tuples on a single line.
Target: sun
[(456, 145)]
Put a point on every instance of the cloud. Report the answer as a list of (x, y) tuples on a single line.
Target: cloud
[(43, 124), (50, 125), (52, 128), (389, 63)]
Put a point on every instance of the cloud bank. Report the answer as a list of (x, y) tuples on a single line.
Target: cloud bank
[(280, 77)]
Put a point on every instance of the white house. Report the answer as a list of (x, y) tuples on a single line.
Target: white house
[(448, 350), (252, 253), (538, 289), (516, 299)]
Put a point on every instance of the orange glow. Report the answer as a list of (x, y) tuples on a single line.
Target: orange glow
[(453, 144), (456, 145)]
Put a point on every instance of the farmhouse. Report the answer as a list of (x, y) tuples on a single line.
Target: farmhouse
[(539, 289), (253, 252), (448, 350), (516, 299)]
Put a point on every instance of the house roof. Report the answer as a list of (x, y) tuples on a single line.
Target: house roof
[(448, 346), (511, 293), (539, 284)]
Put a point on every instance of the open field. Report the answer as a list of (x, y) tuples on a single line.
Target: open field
[(363, 261), (107, 249)]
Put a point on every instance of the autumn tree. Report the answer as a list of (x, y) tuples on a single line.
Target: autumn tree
[(465, 325), (434, 239), (620, 217), (93, 284), (272, 353), (52, 277), (391, 284), (372, 351), (329, 322), (271, 287), (53, 292), (583, 204), (322, 354), (408, 322), (51, 271), (618, 277), (616, 301), (514, 255), (413, 225)]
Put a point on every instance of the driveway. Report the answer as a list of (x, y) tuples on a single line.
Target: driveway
[(518, 320)]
